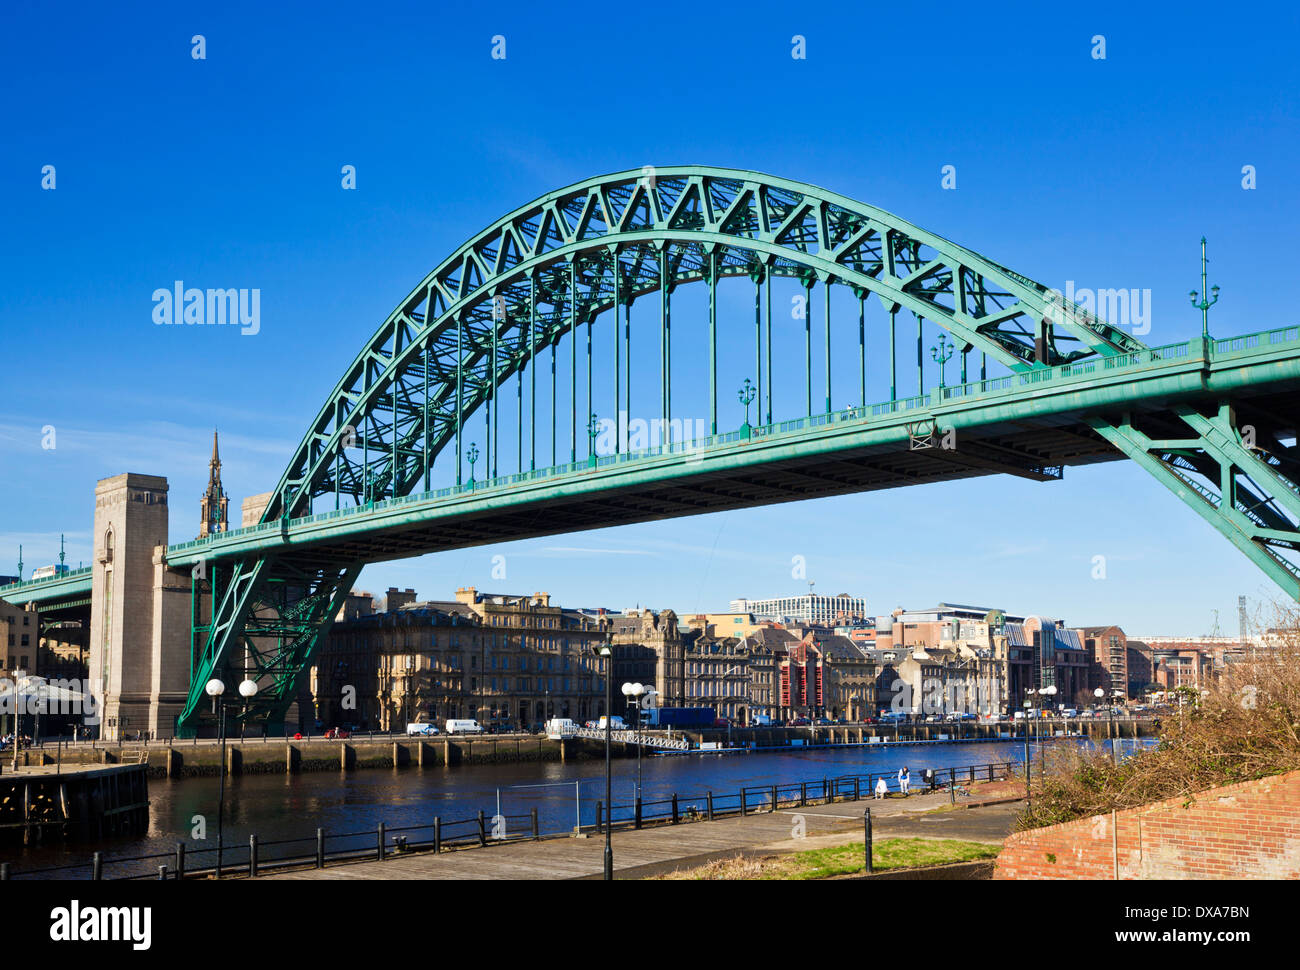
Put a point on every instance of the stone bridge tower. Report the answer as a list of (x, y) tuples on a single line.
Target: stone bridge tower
[(139, 622)]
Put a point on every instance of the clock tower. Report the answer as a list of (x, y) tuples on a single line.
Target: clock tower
[(215, 504)]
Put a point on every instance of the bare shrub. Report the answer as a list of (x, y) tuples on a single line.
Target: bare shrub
[(1246, 725)]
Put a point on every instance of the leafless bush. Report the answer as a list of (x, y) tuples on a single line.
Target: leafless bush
[(1246, 725)]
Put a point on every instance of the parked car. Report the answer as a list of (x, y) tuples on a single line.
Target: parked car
[(338, 733), (616, 723), (800, 722), (721, 722), (421, 729)]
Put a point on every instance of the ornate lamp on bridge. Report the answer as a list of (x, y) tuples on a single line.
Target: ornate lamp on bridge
[(593, 428), (1206, 300), (746, 396), (941, 355), (472, 456)]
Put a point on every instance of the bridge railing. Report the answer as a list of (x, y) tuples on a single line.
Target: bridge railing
[(1010, 383), (256, 856)]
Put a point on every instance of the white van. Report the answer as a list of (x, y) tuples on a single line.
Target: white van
[(463, 726), (560, 727), (421, 729), (616, 723)]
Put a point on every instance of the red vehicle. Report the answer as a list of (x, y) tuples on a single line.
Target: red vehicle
[(721, 722), (335, 733)]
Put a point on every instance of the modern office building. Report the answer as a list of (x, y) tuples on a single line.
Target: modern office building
[(810, 608)]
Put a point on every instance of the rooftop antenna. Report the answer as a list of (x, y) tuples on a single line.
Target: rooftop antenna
[(61, 554), (20, 564)]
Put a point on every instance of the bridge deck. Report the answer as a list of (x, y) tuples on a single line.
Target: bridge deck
[(1031, 424)]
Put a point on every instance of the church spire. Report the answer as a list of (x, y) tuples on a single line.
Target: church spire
[(215, 504)]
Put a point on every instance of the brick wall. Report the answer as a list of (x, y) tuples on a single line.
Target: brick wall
[(1245, 831)]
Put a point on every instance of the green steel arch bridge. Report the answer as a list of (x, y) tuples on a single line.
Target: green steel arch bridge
[(389, 467)]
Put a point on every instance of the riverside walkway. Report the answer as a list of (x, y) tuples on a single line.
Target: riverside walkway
[(664, 847)]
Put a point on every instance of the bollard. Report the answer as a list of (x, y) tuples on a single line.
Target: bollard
[(320, 848), (97, 866), (774, 798), (866, 832), (710, 806), (162, 873), (674, 808), (803, 794), (742, 801), (379, 839), (536, 828), (637, 819), (600, 816), (437, 833), (482, 828), (952, 786), (825, 786), (857, 789), (180, 860)]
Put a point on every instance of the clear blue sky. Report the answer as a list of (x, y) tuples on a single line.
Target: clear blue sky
[(226, 172)]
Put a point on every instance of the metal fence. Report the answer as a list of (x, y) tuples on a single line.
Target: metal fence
[(482, 830)]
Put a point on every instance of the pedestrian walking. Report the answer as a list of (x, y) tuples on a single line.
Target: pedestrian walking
[(904, 779)]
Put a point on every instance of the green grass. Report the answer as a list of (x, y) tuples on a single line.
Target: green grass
[(845, 860), (885, 854)]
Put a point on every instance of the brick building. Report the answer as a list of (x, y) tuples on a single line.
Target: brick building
[(1107, 648)]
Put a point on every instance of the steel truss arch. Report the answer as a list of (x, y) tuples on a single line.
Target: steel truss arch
[(531, 279), (755, 223)]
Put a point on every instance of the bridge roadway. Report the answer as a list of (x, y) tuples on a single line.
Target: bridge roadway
[(662, 848)]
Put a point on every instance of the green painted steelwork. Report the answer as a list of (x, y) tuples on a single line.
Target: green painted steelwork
[(532, 278)]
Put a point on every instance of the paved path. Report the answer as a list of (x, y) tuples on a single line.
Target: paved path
[(661, 848)]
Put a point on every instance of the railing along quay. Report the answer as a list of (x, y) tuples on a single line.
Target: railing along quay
[(482, 830)]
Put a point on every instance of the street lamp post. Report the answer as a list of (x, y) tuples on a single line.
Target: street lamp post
[(216, 689), (634, 693), (1029, 713), (593, 430), (1100, 694), (609, 782), (941, 355), (1206, 300), (746, 397), (1049, 691)]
